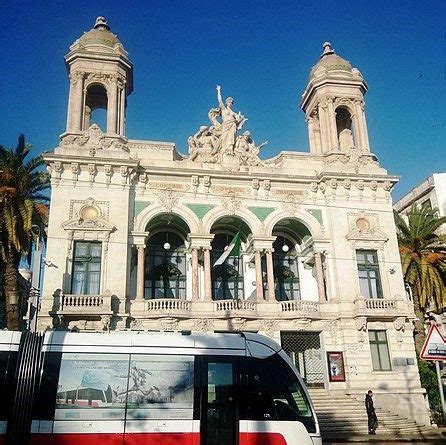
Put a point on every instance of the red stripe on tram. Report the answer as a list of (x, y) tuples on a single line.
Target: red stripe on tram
[(262, 439)]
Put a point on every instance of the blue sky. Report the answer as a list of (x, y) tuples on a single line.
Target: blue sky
[(261, 53)]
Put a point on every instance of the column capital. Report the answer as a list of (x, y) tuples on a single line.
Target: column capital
[(262, 243), (138, 238), (198, 241)]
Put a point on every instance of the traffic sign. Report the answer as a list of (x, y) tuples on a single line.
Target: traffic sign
[(434, 347)]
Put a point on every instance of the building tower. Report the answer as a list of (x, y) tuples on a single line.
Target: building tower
[(333, 102), (101, 76)]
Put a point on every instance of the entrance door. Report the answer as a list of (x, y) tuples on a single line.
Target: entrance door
[(218, 409), (305, 351)]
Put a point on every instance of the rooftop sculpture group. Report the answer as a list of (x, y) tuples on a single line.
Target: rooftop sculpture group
[(219, 141)]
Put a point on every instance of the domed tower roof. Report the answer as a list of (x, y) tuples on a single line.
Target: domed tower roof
[(330, 63), (99, 39)]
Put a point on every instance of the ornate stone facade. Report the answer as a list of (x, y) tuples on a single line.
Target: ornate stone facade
[(138, 232)]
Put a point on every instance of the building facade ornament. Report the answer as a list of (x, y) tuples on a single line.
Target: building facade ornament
[(167, 199), (220, 143)]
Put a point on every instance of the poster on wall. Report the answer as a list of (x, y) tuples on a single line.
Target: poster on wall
[(335, 361)]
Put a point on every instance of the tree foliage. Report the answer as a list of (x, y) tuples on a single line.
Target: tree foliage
[(22, 205)]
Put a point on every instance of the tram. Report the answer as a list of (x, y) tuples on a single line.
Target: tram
[(151, 388)]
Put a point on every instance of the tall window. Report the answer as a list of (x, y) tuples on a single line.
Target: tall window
[(86, 268), (286, 275), (368, 271), (165, 266), (379, 350), (227, 278)]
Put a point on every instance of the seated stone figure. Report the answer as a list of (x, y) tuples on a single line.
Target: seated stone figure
[(203, 145), (246, 151)]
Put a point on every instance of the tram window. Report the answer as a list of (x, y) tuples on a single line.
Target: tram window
[(43, 408), (8, 362), (92, 386), (274, 393), (160, 387)]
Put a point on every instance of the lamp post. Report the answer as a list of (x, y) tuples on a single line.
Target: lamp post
[(34, 293)]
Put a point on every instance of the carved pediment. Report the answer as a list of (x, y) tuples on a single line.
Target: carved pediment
[(88, 214), (365, 226)]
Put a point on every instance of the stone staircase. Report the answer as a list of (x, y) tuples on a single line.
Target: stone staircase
[(344, 415)]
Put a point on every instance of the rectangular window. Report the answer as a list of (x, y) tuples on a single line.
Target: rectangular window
[(368, 271), (379, 350), (86, 268)]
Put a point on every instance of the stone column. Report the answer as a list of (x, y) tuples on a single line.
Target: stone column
[(140, 272), (122, 111), (112, 107), (332, 123), (356, 131), (207, 274), (320, 277), (325, 138), (363, 135), (259, 276), (195, 289), (270, 275), (78, 103)]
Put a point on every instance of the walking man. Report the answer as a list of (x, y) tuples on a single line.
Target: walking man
[(373, 420)]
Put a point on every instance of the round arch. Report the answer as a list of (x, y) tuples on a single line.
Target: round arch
[(308, 220), (152, 211), (245, 215)]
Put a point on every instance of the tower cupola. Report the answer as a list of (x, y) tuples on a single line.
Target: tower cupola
[(101, 77), (333, 102)]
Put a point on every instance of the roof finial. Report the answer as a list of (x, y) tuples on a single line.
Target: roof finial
[(101, 23), (327, 49)]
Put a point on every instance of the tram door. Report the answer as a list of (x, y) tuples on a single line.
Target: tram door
[(218, 410)]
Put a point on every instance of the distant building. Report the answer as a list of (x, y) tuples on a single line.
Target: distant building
[(431, 191), (138, 232)]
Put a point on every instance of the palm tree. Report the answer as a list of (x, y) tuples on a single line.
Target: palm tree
[(423, 259), (22, 205)]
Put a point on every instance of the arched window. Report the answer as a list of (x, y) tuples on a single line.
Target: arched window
[(96, 103), (286, 274), (344, 128), (227, 278), (165, 275)]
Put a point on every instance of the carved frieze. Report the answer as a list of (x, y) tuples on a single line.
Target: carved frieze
[(231, 203), (167, 198)]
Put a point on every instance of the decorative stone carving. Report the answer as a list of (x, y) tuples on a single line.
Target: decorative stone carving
[(238, 324), (168, 324), (219, 143), (108, 171), (105, 320), (361, 326), (94, 139), (231, 203), (269, 326), (302, 323), (136, 324), (400, 326), (291, 204), (333, 327), (167, 198), (91, 172), (124, 170), (365, 226), (204, 325)]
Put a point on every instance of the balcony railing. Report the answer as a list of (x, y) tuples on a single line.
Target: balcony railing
[(299, 306), (380, 304), (168, 304), (85, 304), (235, 305), (382, 307)]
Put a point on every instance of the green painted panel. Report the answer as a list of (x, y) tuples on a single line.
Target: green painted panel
[(261, 212), (200, 209), (139, 206), (317, 213)]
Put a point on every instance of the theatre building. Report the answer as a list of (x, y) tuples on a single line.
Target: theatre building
[(300, 247)]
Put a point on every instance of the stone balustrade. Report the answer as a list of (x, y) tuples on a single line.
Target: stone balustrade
[(299, 306), (382, 306), (168, 304), (85, 304), (235, 305)]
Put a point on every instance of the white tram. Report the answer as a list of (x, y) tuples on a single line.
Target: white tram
[(135, 388)]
